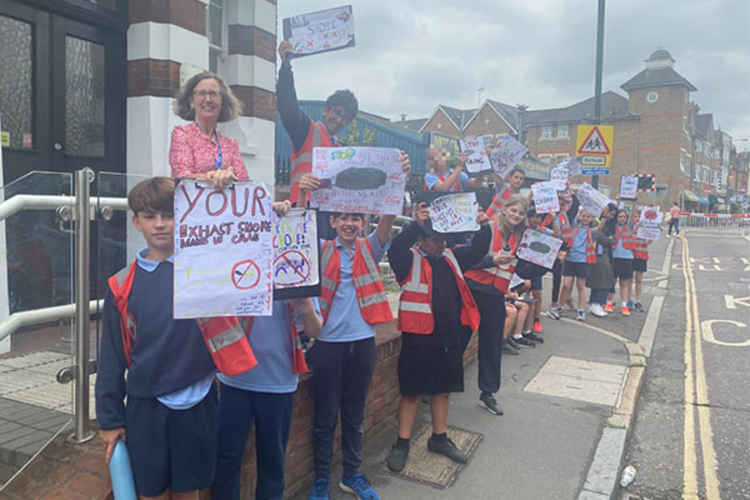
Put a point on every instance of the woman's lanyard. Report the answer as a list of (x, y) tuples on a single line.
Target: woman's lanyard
[(219, 158)]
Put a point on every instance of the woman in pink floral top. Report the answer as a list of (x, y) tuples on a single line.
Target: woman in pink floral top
[(198, 149)]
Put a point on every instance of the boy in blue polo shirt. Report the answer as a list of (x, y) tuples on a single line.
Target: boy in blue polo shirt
[(170, 417)]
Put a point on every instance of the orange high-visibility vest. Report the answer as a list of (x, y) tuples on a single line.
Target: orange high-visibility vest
[(299, 365), (497, 204), (569, 237), (223, 336), (301, 164), (497, 276), (442, 179), (415, 304), (373, 302), (640, 251), (627, 236)]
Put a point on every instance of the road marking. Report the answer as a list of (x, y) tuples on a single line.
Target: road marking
[(697, 396), (648, 333), (690, 461), (708, 332), (732, 303), (744, 260), (716, 261), (615, 336)]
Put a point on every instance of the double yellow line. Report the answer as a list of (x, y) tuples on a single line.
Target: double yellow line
[(696, 397)]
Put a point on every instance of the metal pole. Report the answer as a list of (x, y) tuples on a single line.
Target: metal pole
[(598, 77), (83, 326)]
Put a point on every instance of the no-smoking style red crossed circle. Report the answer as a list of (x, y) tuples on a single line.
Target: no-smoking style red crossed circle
[(245, 274)]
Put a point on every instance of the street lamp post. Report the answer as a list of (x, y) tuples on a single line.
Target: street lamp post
[(598, 77)]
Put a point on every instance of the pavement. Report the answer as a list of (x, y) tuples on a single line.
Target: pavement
[(568, 403)]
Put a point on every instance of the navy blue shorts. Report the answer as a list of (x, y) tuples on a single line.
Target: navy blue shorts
[(577, 269), (173, 449), (536, 283)]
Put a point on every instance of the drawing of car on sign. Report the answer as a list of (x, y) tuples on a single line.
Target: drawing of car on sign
[(651, 214), (356, 179), (538, 246)]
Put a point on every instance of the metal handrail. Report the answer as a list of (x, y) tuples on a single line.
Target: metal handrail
[(22, 319), (80, 209)]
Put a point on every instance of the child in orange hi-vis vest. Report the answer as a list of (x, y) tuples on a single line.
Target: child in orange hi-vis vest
[(437, 314), (170, 419), (353, 302), (640, 260)]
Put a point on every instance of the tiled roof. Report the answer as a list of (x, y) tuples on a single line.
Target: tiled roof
[(410, 125), (662, 77), (613, 105), (460, 117)]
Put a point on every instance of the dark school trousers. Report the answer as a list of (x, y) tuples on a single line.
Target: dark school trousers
[(492, 322), (556, 280), (271, 414), (341, 376)]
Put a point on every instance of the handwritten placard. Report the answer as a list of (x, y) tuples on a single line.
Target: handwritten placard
[(359, 180), (574, 166), (539, 248), (296, 263), (477, 161), (559, 175), (321, 31), (507, 154), (649, 226), (454, 213), (223, 250), (545, 197), (628, 187), (592, 200)]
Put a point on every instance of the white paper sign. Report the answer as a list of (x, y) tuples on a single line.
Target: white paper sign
[(359, 180), (574, 166), (545, 197), (295, 247), (454, 213), (515, 280), (628, 187), (507, 154), (321, 31), (539, 248), (477, 160), (649, 227), (592, 200), (559, 175), (223, 250)]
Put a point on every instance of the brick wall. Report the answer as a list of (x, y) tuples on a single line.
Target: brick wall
[(441, 124), (487, 122), (64, 471)]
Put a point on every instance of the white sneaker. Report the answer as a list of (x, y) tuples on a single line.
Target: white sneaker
[(598, 311)]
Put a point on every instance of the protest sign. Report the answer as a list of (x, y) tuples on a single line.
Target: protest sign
[(223, 257), (545, 197), (628, 187), (296, 263), (539, 248), (454, 213), (477, 161), (359, 180), (649, 227), (592, 200), (559, 175), (574, 166), (321, 31), (515, 280), (506, 154)]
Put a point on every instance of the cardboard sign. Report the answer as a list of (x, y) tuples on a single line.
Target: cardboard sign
[(223, 259), (359, 180), (628, 187), (559, 175), (545, 197), (454, 213), (507, 154), (649, 226), (296, 255), (592, 200), (574, 166), (321, 31), (477, 162), (539, 248)]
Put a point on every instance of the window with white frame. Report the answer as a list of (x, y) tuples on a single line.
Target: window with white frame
[(547, 132), (546, 158), (215, 28), (562, 131)]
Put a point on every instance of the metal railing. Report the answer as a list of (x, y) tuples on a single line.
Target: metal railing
[(81, 211)]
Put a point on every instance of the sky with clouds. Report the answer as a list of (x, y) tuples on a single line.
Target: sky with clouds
[(412, 55)]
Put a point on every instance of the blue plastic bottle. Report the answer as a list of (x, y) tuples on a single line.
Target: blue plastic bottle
[(123, 485)]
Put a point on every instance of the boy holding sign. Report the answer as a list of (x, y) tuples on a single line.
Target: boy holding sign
[(342, 360), (438, 178), (340, 109)]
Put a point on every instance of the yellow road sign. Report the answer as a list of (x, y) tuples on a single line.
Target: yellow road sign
[(594, 145)]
